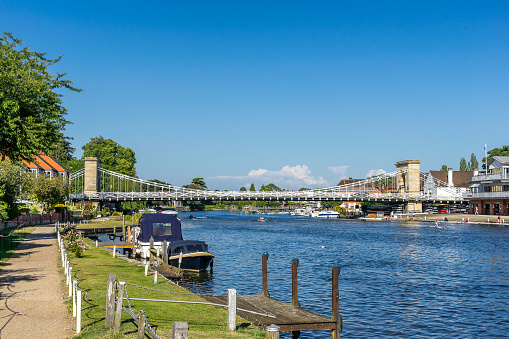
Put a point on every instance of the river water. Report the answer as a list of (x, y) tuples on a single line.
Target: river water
[(397, 279)]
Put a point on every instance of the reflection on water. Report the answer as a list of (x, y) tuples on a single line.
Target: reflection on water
[(397, 279)]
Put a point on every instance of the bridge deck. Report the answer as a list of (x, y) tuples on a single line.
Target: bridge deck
[(287, 317)]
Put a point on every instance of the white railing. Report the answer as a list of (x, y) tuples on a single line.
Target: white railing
[(488, 195), (490, 177)]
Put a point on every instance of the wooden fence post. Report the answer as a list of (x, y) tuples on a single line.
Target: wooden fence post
[(110, 299), (272, 332), (265, 290), (295, 298), (141, 325), (232, 310), (120, 300), (180, 330), (335, 304)]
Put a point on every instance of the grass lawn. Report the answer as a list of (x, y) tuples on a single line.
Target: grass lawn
[(91, 272)]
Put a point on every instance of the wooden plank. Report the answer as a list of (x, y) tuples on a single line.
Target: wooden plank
[(118, 244), (287, 317)]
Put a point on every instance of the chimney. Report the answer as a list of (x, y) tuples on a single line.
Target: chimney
[(449, 177), (476, 172)]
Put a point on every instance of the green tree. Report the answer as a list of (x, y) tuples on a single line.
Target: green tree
[(501, 152), (252, 188), (444, 168), (15, 184), (463, 164), (200, 182), (270, 188), (473, 163), (113, 156), (304, 189), (243, 189), (49, 191), (31, 110)]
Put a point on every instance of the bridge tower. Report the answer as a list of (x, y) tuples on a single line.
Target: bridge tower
[(408, 182), (92, 177)]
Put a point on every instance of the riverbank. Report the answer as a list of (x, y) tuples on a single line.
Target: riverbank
[(458, 217)]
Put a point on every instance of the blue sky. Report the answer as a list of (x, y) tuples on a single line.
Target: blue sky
[(297, 93)]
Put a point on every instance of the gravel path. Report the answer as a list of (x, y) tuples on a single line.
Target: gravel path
[(32, 292)]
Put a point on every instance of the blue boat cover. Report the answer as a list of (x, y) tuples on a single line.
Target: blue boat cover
[(161, 227)]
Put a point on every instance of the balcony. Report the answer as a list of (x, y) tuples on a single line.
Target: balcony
[(490, 177), (487, 195)]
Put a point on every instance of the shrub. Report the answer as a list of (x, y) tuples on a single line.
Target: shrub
[(73, 242)]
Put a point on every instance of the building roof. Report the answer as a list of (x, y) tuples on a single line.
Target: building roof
[(459, 178), (504, 160), (43, 162)]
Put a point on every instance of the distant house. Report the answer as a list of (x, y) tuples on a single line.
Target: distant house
[(438, 183), (489, 194), (46, 165)]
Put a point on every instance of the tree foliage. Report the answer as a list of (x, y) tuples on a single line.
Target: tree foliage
[(270, 188), (252, 188), (463, 164), (113, 156), (200, 182), (444, 168), (49, 191), (31, 112), (473, 163), (243, 189), (15, 184)]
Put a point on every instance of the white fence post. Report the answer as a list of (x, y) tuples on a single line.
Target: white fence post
[(146, 269), (78, 313), (155, 277), (232, 310), (114, 250), (70, 281), (74, 287)]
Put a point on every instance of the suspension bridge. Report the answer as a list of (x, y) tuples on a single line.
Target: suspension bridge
[(407, 185)]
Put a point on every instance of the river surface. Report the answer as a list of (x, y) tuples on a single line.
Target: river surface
[(397, 279)]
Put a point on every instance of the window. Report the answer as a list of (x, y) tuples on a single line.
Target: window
[(177, 250), (487, 188), (195, 248), (161, 228)]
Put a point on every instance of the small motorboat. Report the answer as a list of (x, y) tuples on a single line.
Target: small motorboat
[(189, 255)]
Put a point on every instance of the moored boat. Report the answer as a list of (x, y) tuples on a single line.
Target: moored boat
[(189, 255)]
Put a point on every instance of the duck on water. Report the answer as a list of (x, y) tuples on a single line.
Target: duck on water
[(189, 255)]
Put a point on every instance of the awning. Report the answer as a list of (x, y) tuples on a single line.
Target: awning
[(474, 185)]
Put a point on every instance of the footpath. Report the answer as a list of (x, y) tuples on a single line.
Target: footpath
[(31, 290)]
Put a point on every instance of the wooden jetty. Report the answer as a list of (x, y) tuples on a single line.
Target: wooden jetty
[(287, 317)]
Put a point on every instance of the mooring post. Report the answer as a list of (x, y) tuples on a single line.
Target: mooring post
[(295, 298), (165, 252), (74, 289), (265, 290), (141, 325), (110, 299), (120, 300), (272, 332), (335, 304), (232, 310), (180, 330)]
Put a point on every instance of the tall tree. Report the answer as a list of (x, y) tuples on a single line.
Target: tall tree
[(31, 110), (473, 163), (113, 156), (252, 188), (444, 168), (463, 164), (269, 188), (200, 182), (50, 191)]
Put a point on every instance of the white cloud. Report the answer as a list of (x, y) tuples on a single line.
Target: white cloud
[(288, 177), (374, 172)]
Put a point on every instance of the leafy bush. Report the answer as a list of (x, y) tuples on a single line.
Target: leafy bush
[(73, 242), (85, 205), (115, 214)]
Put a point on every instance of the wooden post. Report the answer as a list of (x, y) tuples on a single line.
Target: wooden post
[(180, 330), (114, 250), (78, 314), (335, 304), (232, 310), (120, 300), (123, 232), (295, 298), (155, 277), (265, 290), (110, 299), (141, 325), (272, 332), (70, 281), (165, 252)]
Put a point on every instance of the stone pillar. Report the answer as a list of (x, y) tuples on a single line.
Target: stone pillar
[(92, 177), (408, 181)]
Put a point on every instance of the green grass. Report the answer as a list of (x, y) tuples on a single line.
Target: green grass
[(8, 244), (91, 272)]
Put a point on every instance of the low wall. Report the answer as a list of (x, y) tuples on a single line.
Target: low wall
[(34, 219)]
